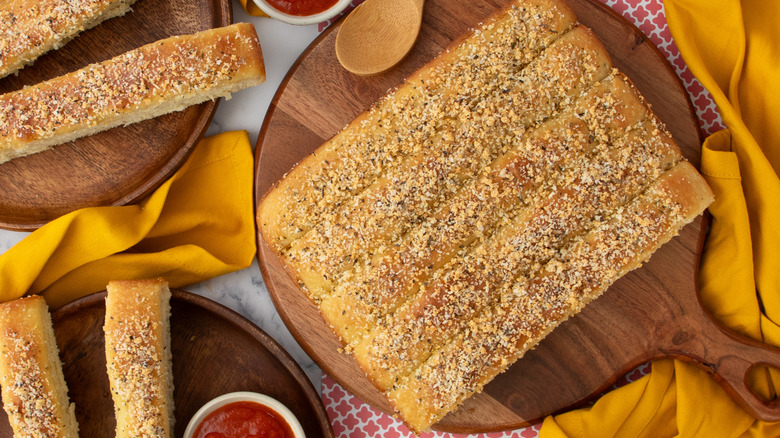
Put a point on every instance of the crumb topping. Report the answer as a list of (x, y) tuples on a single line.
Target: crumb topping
[(450, 228), (138, 367), (465, 141), (134, 80), (436, 105), (534, 305), (31, 398), (30, 28)]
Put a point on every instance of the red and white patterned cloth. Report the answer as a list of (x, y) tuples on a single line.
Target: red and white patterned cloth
[(350, 417)]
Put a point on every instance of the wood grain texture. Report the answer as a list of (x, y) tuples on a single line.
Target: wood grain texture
[(215, 351), (121, 165), (650, 313), (368, 44)]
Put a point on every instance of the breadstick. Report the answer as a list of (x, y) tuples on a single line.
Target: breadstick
[(35, 396), (30, 28), (138, 356), (147, 82)]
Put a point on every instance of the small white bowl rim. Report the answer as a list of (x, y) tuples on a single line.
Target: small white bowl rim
[(232, 397), (323, 16)]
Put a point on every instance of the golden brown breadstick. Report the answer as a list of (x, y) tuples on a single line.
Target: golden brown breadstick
[(138, 356), (35, 396), (30, 28), (147, 82)]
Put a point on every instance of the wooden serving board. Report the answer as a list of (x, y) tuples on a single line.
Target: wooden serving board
[(652, 312), (121, 165), (215, 351)]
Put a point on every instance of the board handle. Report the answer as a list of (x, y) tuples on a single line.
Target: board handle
[(729, 359)]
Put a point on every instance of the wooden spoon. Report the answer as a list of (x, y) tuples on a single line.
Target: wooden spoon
[(378, 34)]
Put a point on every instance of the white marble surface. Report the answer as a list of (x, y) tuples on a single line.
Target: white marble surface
[(244, 291)]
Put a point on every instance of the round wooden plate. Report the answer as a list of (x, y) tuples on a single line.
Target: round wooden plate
[(121, 165), (215, 351), (652, 312)]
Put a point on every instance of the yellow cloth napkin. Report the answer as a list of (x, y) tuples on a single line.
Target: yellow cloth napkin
[(197, 225), (251, 8), (733, 48)]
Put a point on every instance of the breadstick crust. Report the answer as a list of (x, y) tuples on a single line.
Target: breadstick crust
[(438, 274), (138, 357), (34, 392), (30, 28), (155, 79)]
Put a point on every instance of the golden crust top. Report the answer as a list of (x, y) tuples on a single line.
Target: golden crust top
[(28, 28), (537, 303), (34, 393), (406, 121), (465, 246), (138, 356), (138, 78)]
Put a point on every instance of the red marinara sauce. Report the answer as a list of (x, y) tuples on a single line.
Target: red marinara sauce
[(243, 419), (301, 8)]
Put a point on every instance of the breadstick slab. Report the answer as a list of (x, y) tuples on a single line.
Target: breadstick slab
[(415, 279)]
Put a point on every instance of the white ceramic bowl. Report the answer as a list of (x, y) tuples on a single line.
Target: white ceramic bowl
[(325, 15), (244, 396)]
